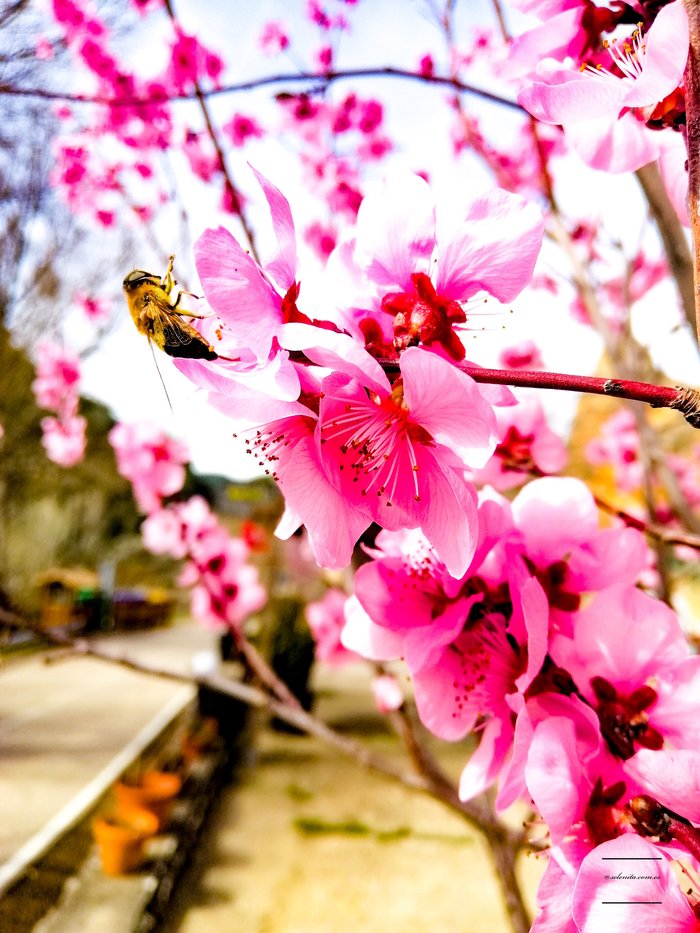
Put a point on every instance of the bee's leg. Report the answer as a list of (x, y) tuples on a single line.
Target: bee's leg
[(191, 295), (167, 283), (183, 312)]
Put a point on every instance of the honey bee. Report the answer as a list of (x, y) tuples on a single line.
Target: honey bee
[(155, 310)]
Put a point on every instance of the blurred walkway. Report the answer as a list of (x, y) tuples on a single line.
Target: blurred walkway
[(62, 723), (308, 842)]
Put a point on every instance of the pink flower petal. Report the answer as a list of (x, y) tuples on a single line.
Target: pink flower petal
[(565, 96), (602, 641), (671, 776), (554, 38), (555, 514), (360, 634), (435, 700), (604, 901), (236, 291), (613, 556), (554, 776), (494, 250), (666, 54), (338, 352), (449, 405), (396, 231), (485, 764), (614, 145), (383, 588), (282, 267), (333, 524)]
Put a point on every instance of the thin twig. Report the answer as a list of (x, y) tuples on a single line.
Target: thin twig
[(667, 535), (321, 81), (236, 203)]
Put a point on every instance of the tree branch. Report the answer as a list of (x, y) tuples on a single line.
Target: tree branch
[(692, 109), (683, 399), (673, 236), (321, 81)]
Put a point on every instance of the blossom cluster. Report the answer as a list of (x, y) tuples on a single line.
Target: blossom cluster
[(612, 76), (153, 462), (512, 618), (117, 154), (225, 586), (579, 686), (347, 444), (56, 388)]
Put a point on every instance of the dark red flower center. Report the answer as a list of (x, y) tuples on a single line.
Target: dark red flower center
[(424, 317), (602, 818), (623, 720), (515, 451)]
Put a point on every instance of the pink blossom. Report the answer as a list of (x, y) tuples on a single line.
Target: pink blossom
[(151, 460), (287, 450), (527, 445), (226, 589), (396, 453), (241, 128), (95, 309), (426, 66), (324, 58), (618, 445), (671, 776), (645, 690), (326, 619), (604, 109), (525, 355), (64, 439), (162, 532), (322, 239), (604, 901), (274, 38), (558, 522), (468, 647), (410, 297), (202, 158), (58, 373), (242, 294), (190, 61)]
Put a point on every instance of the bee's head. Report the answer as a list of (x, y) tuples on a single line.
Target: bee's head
[(139, 277)]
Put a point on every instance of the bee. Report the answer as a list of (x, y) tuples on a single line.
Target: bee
[(156, 312)]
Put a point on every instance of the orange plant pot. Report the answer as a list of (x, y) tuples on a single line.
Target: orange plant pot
[(155, 791), (120, 839)]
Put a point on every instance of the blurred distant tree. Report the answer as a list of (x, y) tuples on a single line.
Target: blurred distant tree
[(49, 515)]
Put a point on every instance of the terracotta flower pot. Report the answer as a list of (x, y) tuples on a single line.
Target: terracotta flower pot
[(155, 791), (120, 838)]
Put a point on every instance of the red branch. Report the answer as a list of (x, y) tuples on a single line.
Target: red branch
[(682, 399), (692, 108)]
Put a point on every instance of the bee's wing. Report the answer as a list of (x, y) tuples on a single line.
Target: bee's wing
[(175, 336)]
